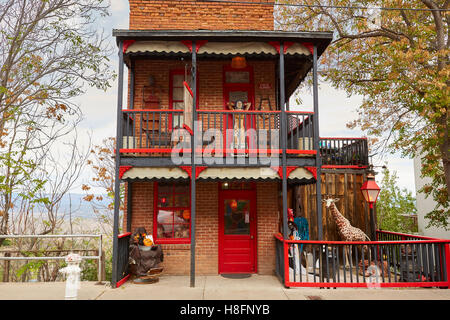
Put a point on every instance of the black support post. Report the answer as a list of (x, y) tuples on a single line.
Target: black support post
[(193, 147), (317, 146), (132, 77), (115, 275), (283, 128)]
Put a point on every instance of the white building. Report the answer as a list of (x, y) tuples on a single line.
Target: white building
[(425, 205)]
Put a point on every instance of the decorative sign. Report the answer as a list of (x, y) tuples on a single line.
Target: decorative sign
[(265, 86)]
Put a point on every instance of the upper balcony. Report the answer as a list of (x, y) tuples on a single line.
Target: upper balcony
[(243, 135)]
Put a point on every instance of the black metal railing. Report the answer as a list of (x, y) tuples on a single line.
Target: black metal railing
[(300, 131), (344, 151), (241, 130), (279, 259), (397, 236), (149, 132), (123, 257), (400, 263)]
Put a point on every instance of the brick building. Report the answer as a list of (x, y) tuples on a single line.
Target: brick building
[(214, 205)]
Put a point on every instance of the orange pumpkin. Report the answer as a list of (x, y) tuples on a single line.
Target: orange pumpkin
[(148, 242), (186, 214)]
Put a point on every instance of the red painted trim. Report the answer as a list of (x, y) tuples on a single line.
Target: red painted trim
[(278, 170), (447, 263), (127, 44), (189, 88), (123, 235), (342, 138), (287, 45), (276, 45), (343, 167), (313, 170), (155, 220), (289, 169), (309, 46), (123, 169), (364, 285), (199, 43), (299, 112), (350, 285), (186, 127), (237, 111), (121, 282), (225, 151), (153, 110), (278, 236), (292, 151), (408, 235), (150, 150), (188, 169), (366, 242), (198, 170), (286, 262)]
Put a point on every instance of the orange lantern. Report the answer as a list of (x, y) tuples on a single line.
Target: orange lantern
[(233, 205), (238, 62), (186, 214)]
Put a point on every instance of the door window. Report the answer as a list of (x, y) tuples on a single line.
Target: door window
[(237, 217)]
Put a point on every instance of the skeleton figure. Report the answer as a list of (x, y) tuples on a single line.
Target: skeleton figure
[(346, 231), (239, 126)]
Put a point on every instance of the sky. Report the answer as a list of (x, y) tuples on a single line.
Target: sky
[(336, 109)]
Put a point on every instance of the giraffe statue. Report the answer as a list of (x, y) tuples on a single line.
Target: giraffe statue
[(346, 231)]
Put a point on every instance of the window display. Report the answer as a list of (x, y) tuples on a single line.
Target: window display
[(172, 211)]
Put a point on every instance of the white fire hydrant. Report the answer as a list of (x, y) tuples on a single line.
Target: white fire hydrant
[(72, 272)]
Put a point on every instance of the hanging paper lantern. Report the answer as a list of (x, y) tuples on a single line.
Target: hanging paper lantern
[(186, 214), (238, 62), (233, 205)]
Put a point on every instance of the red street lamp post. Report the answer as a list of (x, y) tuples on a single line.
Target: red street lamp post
[(370, 191)]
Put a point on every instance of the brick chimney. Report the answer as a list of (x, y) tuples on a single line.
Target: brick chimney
[(195, 15)]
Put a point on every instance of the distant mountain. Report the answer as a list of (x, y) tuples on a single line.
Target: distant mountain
[(74, 203)]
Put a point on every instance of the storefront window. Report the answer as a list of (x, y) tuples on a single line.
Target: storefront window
[(172, 212)]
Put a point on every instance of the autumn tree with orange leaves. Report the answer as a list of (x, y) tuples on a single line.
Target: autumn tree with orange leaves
[(398, 60), (102, 164), (51, 50)]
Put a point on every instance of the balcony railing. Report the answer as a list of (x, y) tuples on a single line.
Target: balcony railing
[(407, 262), (149, 133), (337, 152)]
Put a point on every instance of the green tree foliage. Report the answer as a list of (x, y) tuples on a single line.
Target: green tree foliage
[(401, 67), (394, 204)]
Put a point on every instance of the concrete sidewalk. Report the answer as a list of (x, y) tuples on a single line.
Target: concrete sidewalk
[(256, 287)]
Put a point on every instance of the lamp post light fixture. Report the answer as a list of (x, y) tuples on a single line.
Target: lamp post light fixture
[(370, 191)]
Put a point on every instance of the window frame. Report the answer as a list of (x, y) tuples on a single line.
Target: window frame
[(155, 217)]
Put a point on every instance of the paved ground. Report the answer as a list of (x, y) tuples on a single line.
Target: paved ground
[(211, 288)]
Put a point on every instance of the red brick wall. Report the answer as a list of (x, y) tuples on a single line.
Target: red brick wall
[(210, 76), (177, 256), (194, 15)]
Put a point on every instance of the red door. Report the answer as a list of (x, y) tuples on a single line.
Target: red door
[(237, 231)]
